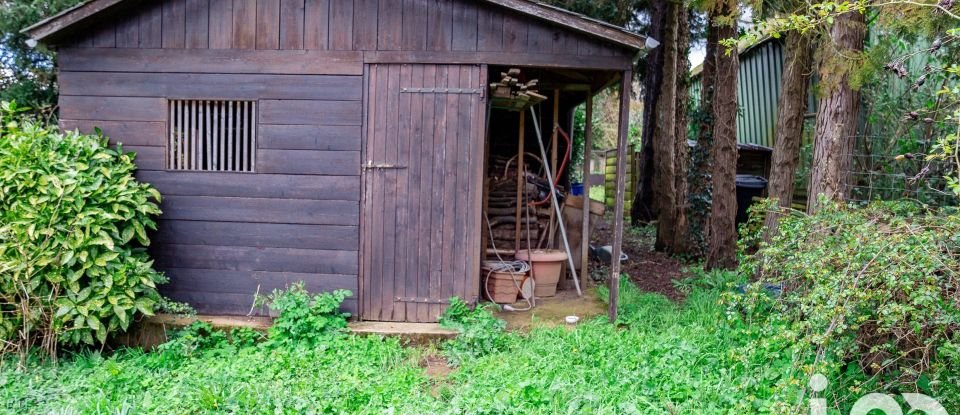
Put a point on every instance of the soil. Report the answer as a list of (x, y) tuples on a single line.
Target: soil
[(552, 311), (650, 270)]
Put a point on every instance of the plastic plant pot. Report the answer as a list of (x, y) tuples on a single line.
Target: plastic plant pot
[(545, 267)]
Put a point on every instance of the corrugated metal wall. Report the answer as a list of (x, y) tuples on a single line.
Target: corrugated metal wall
[(761, 68)]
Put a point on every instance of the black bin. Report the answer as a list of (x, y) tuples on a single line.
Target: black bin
[(748, 187)]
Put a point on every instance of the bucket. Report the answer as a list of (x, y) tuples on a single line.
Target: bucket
[(577, 189), (545, 268), (501, 287)]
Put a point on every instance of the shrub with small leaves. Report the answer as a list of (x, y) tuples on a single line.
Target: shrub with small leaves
[(73, 222)]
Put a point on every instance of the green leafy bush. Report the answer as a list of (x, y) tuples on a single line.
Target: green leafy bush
[(481, 333), (73, 221), (870, 295), (306, 319)]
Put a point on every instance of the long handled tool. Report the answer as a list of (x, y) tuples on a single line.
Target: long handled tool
[(556, 204)]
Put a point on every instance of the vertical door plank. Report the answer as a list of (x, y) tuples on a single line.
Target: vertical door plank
[(390, 231), (440, 25), (291, 24), (414, 25), (449, 195), (473, 137), (375, 179), (464, 26), (389, 25), (426, 189), (150, 25), (341, 24), (414, 175), (221, 24), (174, 24), (316, 24), (268, 24), (490, 30), (128, 30), (197, 24), (437, 208), (244, 24), (365, 24), (403, 206)]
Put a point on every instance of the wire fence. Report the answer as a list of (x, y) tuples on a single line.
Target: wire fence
[(890, 168)]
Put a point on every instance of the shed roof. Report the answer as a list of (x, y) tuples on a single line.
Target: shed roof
[(48, 29)]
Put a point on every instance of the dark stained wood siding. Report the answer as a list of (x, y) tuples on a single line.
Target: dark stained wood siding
[(226, 236), (421, 220), (343, 25), (223, 237)]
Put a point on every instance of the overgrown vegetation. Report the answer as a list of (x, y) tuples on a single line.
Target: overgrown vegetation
[(73, 221)]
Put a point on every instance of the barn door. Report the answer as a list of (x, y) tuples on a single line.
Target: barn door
[(422, 177)]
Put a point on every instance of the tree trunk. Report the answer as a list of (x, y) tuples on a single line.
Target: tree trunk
[(643, 209), (699, 196), (681, 243), (723, 230), (664, 177), (838, 113), (792, 106)]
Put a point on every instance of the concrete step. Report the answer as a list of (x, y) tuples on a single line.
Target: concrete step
[(415, 334)]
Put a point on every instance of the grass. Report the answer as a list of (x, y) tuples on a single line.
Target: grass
[(668, 359)]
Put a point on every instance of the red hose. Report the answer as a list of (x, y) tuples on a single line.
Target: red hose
[(563, 166)]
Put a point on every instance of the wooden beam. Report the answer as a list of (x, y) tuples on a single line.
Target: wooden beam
[(585, 234), (521, 181), (540, 60), (622, 138), (553, 164), (217, 61)]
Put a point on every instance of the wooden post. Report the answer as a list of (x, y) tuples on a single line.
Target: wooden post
[(625, 85), (521, 180), (585, 234), (551, 234)]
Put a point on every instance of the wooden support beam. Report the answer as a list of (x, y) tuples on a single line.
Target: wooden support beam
[(521, 180), (585, 234), (626, 83), (551, 234)]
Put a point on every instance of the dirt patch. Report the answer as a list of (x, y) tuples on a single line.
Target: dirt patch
[(552, 311), (436, 367), (650, 270)]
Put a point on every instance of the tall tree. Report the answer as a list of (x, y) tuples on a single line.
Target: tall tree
[(664, 130), (682, 243), (700, 184), (838, 111), (723, 232), (792, 107), (643, 209)]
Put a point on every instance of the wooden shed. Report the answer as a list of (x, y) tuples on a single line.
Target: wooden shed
[(337, 142)]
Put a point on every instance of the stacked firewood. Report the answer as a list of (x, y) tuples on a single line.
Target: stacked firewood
[(511, 87), (502, 208)]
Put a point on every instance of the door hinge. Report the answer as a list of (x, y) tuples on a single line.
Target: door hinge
[(381, 166)]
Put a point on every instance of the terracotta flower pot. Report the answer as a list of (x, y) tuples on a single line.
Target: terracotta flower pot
[(545, 268), (501, 287)]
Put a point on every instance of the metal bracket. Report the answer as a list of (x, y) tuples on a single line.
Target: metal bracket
[(381, 166), (442, 91), (420, 300)]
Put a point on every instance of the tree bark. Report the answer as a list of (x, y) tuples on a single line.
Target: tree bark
[(838, 113), (723, 231), (681, 243), (643, 209), (664, 149), (792, 107), (699, 191)]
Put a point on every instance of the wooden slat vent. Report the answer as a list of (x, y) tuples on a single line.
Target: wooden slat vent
[(210, 135)]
